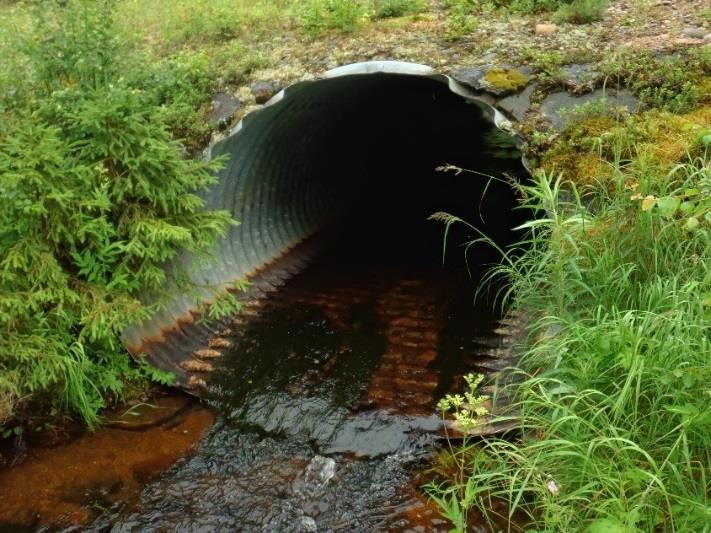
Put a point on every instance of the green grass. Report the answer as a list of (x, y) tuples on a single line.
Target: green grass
[(615, 431), (194, 23)]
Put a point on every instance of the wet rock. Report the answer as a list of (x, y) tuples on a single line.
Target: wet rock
[(264, 90), (545, 30), (694, 33), (308, 524), (558, 107), (224, 107), (470, 76), (497, 80), (320, 471), (517, 105), (580, 78)]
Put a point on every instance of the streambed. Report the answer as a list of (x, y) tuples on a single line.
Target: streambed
[(325, 408)]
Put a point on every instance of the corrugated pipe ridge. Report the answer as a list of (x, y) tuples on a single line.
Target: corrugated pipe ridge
[(290, 170)]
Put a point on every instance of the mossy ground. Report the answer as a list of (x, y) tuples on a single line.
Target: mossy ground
[(656, 139)]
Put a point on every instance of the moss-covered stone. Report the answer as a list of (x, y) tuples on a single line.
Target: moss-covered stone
[(505, 79)]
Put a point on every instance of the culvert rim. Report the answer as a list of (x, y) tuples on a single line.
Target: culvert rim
[(498, 118), (174, 339)]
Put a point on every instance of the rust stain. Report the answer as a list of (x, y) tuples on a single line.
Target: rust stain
[(193, 316), (413, 313), (68, 484)]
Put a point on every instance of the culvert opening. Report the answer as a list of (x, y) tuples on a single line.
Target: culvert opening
[(325, 388), (346, 165), (387, 140)]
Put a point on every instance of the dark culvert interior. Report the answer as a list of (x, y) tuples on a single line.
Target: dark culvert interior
[(364, 150), (349, 164), (388, 141), (325, 389)]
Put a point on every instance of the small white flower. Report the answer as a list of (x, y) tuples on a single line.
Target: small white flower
[(552, 487)]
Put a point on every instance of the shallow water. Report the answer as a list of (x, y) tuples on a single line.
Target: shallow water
[(325, 408), (67, 479)]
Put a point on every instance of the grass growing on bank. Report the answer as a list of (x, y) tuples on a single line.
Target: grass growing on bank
[(615, 431)]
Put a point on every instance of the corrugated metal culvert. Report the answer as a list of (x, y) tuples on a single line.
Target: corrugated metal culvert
[(292, 168)]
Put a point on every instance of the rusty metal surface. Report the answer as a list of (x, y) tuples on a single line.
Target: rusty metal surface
[(282, 194)]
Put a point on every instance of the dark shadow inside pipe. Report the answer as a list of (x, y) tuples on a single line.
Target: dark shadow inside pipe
[(384, 141), (350, 162)]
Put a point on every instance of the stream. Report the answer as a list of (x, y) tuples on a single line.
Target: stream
[(325, 409), (320, 415)]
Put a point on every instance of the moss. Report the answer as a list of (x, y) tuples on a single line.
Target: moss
[(669, 138), (508, 79), (574, 152), (653, 141)]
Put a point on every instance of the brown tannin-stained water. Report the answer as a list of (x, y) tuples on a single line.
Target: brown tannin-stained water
[(326, 409), (65, 482), (324, 401), (326, 398)]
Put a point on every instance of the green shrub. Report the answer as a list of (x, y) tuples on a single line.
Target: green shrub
[(581, 11), (179, 88), (531, 6), (215, 21), (669, 82), (576, 11), (233, 63), (95, 197), (396, 8), (547, 64), (318, 16), (462, 18)]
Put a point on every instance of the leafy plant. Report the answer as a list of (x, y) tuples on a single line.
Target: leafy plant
[(381, 9), (547, 64), (462, 18), (95, 197), (318, 16), (178, 88), (670, 83), (467, 411), (581, 11), (615, 422)]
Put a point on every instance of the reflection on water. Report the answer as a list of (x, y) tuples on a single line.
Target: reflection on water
[(325, 409)]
